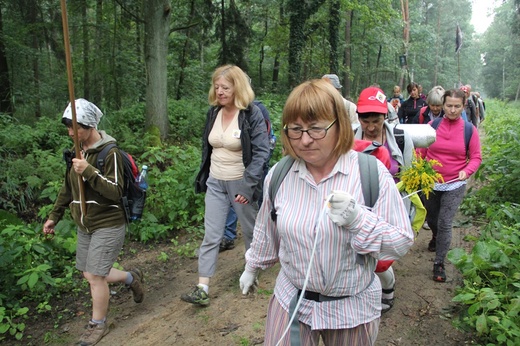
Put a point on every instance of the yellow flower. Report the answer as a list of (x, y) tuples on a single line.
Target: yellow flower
[(420, 175)]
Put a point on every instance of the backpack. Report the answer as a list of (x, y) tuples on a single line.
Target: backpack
[(270, 131), (134, 197), (367, 169), (468, 132), (398, 134), (421, 114)]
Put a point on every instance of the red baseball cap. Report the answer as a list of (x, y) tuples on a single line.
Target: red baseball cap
[(372, 100)]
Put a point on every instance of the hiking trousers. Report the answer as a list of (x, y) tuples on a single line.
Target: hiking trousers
[(441, 209), (220, 196)]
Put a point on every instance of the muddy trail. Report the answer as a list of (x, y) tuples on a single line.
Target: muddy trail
[(422, 314)]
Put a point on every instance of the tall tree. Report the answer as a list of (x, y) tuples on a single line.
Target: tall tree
[(234, 35), (299, 13), (334, 21), (6, 105), (347, 61), (157, 30)]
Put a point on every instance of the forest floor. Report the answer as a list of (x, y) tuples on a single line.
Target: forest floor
[(422, 314)]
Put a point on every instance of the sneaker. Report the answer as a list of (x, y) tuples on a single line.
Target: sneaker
[(226, 244), (93, 333), (387, 303), (198, 297), (439, 274), (426, 226), (432, 245), (137, 285)]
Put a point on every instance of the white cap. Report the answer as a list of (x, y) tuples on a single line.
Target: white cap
[(87, 113)]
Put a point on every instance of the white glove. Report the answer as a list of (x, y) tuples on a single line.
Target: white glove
[(343, 208), (248, 281)]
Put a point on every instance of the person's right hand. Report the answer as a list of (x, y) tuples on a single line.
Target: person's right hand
[(48, 227), (247, 281)]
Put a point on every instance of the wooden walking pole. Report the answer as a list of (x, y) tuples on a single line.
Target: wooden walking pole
[(68, 59)]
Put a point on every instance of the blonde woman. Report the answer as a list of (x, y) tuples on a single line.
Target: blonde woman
[(235, 150)]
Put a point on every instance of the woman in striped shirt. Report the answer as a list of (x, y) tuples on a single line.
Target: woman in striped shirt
[(321, 223)]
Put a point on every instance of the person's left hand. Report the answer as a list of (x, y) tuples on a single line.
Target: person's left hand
[(241, 199), (80, 164), (463, 175), (343, 208)]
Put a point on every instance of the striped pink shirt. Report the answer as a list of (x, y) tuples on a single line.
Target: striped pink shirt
[(384, 233)]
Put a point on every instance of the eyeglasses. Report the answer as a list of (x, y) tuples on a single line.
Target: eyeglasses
[(313, 132)]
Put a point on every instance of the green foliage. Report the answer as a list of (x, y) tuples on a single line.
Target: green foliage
[(500, 169), (490, 297), (491, 292), (34, 269), (9, 322), (30, 156), (171, 201)]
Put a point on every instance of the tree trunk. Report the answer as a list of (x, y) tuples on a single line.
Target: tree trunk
[(334, 21), (406, 37), (98, 60), (276, 69), (32, 22), (184, 54), (437, 45), (347, 62), (223, 57), (157, 29), (297, 20), (86, 50), (6, 106)]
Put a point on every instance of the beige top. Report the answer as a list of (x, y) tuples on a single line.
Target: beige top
[(351, 109), (226, 157)]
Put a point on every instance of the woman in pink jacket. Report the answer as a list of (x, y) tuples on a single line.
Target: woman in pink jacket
[(459, 161)]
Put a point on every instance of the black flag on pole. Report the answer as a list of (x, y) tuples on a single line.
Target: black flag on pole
[(458, 39)]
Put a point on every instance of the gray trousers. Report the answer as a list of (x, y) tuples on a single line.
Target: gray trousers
[(441, 208), (220, 196)]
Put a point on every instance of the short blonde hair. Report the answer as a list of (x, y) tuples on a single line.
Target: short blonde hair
[(316, 100), (243, 93)]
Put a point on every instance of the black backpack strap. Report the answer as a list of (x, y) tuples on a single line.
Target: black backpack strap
[(436, 122), (279, 173), (468, 132), (100, 163), (370, 149), (399, 138), (369, 178)]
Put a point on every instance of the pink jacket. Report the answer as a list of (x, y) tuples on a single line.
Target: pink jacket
[(449, 149)]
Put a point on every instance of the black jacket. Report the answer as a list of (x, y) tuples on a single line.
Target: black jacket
[(255, 151), (409, 109)]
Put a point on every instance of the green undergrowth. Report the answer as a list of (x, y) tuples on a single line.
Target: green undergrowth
[(490, 296)]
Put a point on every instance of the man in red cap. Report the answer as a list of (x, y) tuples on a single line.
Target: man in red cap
[(372, 109)]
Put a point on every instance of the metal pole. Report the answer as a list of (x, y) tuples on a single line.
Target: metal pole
[(68, 59)]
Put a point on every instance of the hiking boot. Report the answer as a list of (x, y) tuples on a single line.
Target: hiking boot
[(198, 297), (387, 303), (137, 285), (432, 245), (426, 226), (226, 244), (93, 333), (439, 274)]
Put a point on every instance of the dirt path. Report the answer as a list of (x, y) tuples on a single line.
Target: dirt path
[(421, 315)]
